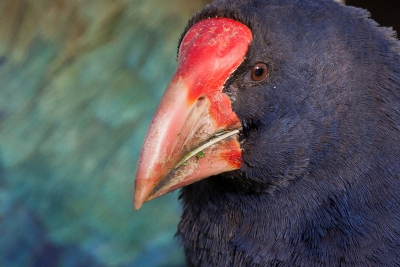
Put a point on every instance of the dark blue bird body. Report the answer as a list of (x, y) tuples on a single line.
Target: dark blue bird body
[(319, 183)]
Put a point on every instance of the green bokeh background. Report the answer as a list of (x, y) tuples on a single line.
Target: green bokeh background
[(79, 83)]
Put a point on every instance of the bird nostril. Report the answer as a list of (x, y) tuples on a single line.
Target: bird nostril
[(201, 101)]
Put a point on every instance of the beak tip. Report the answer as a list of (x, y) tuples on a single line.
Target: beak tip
[(138, 200), (137, 206), (139, 195)]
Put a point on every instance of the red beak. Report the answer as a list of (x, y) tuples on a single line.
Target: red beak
[(194, 133)]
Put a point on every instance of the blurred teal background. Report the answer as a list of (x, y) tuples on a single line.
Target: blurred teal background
[(79, 83)]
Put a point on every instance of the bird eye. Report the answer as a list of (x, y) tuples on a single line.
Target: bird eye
[(259, 72)]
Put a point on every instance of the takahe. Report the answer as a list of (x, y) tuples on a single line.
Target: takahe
[(291, 110)]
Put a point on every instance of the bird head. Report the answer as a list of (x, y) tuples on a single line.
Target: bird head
[(263, 94)]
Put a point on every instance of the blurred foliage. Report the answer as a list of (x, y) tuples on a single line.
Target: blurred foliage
[(79, 82)]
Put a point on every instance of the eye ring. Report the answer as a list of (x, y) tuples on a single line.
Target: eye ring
[(259, 72)]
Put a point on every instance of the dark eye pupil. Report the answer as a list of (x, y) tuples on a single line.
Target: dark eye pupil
[(258, 71)]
